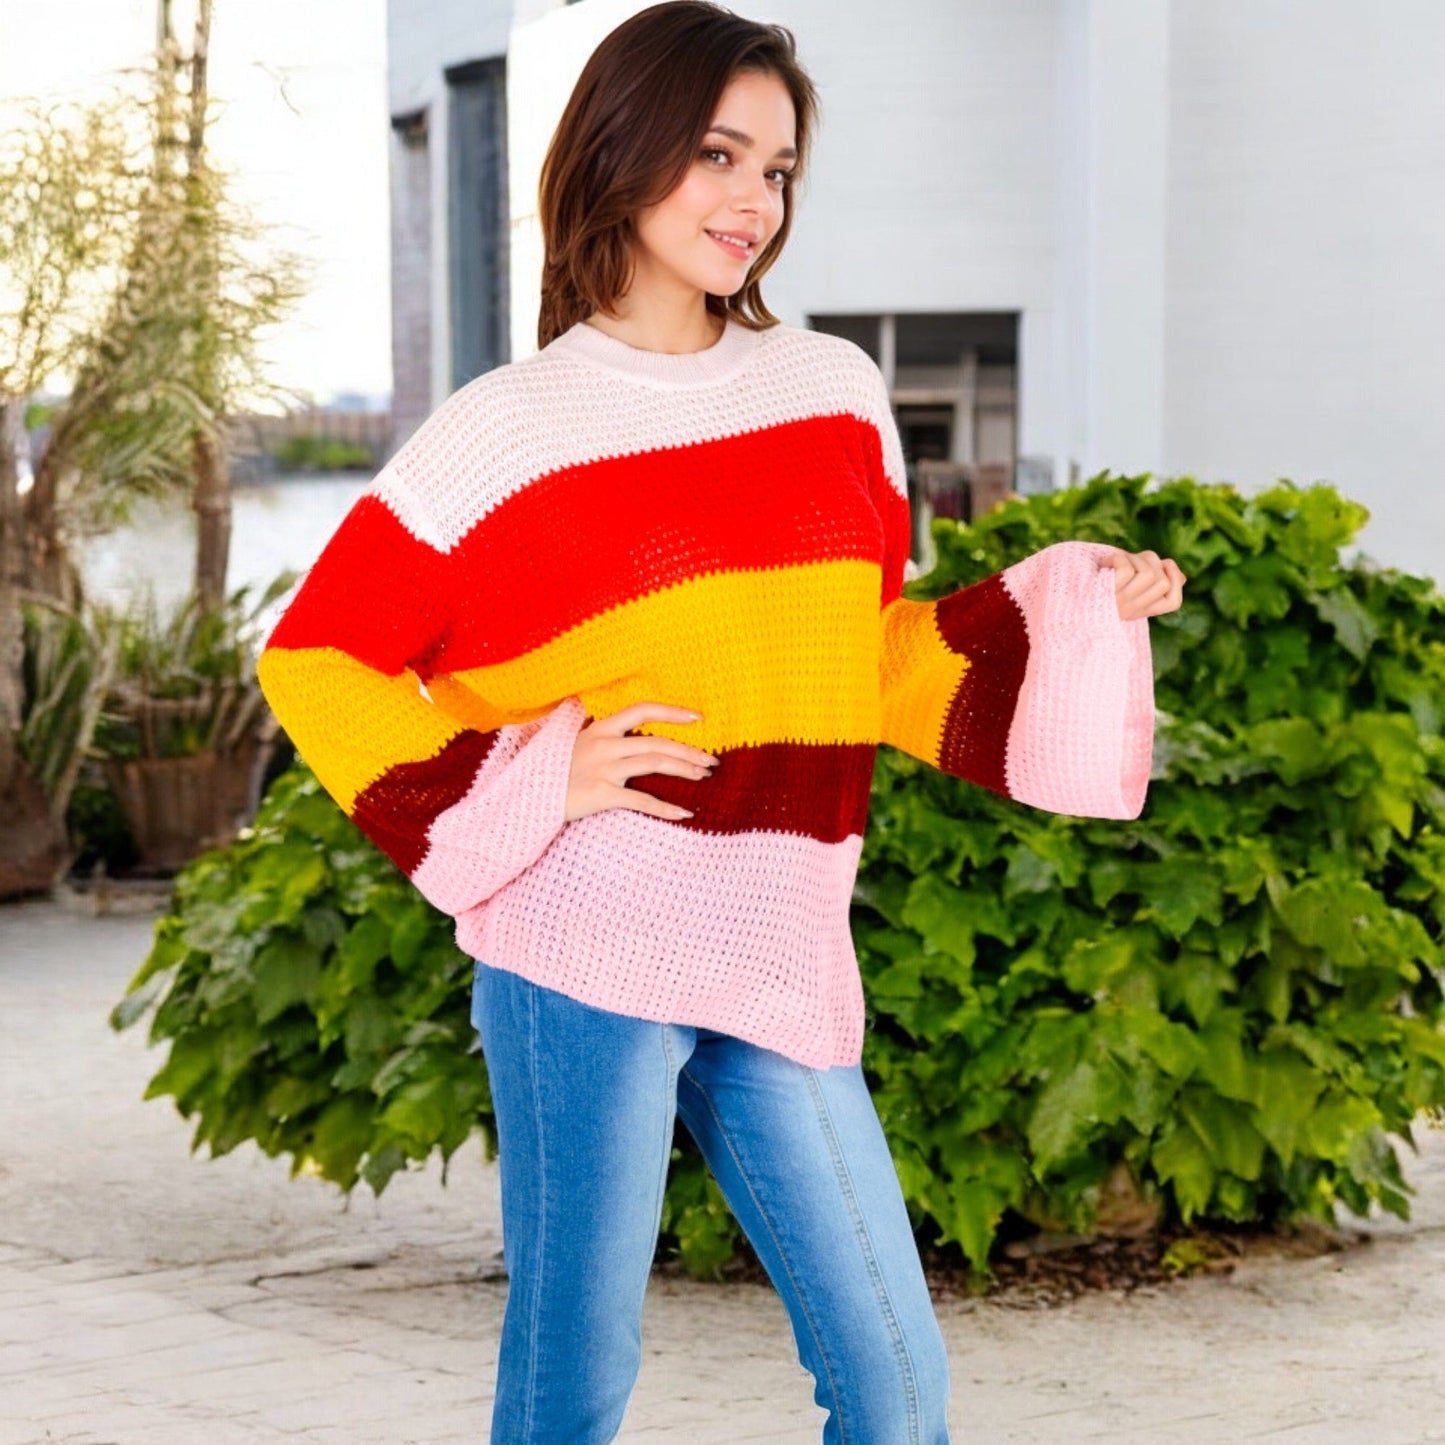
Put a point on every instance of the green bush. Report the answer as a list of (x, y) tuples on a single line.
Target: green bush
[(1232, 1002), (323, 454), (1237, 995), (313, 1000)]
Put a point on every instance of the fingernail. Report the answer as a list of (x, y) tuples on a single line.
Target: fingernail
[(683, 813)]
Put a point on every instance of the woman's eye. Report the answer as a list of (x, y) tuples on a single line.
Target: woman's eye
[(781, 171)]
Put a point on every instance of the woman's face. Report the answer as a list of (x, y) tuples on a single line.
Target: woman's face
[(733, 188)]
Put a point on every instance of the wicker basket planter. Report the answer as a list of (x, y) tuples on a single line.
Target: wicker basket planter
[(180, 798), (179, 807)]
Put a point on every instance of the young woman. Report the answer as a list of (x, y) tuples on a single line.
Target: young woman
[(602, 661)]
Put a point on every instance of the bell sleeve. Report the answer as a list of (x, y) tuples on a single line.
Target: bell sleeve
[(1027, 682)]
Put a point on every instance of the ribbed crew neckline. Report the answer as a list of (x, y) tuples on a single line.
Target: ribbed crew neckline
[(724, 358)]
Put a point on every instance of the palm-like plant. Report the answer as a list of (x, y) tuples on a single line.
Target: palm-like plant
[(125, 266)]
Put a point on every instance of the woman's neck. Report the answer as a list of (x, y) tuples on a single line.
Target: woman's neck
[(666, 335)]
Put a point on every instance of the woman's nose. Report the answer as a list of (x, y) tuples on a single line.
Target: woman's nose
[(754, 189)]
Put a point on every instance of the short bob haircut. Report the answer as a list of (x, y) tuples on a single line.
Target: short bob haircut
[(633, 126)]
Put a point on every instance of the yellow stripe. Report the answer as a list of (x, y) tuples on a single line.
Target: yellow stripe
[(921, 676), (759, 653), (349, 721)]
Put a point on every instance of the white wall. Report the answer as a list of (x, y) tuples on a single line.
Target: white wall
[(1116, 68), (1307, 255)]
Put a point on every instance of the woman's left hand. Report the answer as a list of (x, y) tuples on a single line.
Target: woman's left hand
[(1145, 585)]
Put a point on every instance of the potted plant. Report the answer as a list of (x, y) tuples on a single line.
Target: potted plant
[(185, 732)]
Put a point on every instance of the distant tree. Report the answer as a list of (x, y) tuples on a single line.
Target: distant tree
[(127, 267)]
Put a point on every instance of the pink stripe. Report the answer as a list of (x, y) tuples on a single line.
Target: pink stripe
[(513, 809), (1083, 732), (764, 952)]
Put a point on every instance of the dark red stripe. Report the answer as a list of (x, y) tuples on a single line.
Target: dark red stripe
[(397, 809), (985, 624), (820, 790)]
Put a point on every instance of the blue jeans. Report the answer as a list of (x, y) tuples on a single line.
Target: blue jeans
[(585, 1101)]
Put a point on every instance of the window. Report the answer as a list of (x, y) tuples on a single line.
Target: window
[(478, 223), (953, 381)]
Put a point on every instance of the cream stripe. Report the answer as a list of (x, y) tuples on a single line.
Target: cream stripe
[(550, 411)]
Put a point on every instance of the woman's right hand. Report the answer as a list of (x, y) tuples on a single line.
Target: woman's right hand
[(604, 758)]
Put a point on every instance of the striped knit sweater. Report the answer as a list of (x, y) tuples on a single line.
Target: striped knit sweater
[(725, 531)]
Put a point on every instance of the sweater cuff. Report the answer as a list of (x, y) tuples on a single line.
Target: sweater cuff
[(1082, 734), (515, 807)]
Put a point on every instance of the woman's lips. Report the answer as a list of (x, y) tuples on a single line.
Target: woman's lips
[(741, 252)]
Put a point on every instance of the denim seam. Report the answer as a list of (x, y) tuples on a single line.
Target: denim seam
[(880, 1287), (782, 1254), (671, 1059), (536, 1300)]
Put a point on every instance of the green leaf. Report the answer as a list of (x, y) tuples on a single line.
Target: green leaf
[(976, 1210), (1222, 1060), (1091, 966), (419, 1112), (1227, 1132), (1066, 1108), (371, 1027), (286, 972), (192, 1059), (1181, 1159), (1333, 916), (1284, 1100), (944, 918), (1176, 1049), (1294, 745), (1202, 983), (409, 934), (1179, 892), (1336, 1124), (1029, 872), (1354, 628), (340, 1138), (135, 1003), (1259, 587)]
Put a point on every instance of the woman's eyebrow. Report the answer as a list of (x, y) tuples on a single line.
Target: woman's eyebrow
[(786, 152)]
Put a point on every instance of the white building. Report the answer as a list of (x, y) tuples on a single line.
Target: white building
[(1175, 236)]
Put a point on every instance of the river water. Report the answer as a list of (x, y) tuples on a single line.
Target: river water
[(275, 526)]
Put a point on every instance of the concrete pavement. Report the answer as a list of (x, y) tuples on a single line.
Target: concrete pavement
[(148, 1297)]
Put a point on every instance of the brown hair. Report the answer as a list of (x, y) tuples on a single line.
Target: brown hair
[(632, 127)]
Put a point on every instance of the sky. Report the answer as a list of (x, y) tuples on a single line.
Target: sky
[(304, 127)]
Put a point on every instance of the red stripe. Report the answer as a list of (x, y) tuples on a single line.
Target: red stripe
[(985, 624), (370, 593), (584, 539), (892, 507)]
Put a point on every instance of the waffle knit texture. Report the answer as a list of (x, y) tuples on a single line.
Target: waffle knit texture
[(726, 531)]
